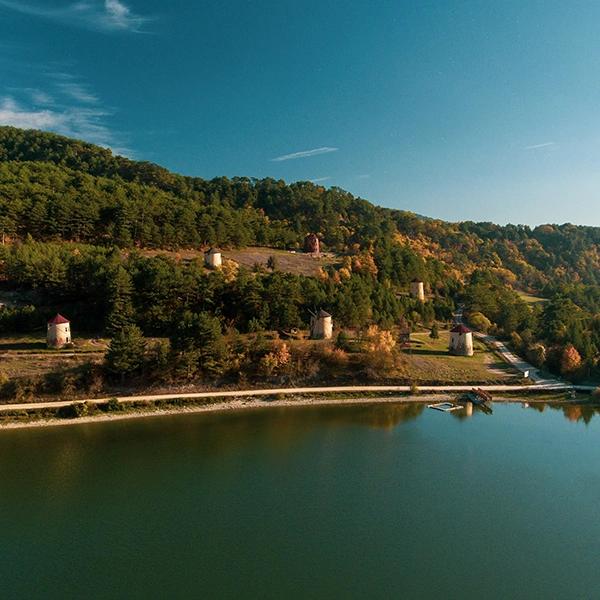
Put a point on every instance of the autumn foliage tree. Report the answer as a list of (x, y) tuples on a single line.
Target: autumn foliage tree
[(275, 362), (570, 360)]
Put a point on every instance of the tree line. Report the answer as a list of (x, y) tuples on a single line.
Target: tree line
[(52, 187), (106, 288)]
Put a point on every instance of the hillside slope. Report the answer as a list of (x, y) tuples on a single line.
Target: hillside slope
[(53, 187), (101, 237)]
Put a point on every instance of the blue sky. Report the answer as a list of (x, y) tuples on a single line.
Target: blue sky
[(458, 110)]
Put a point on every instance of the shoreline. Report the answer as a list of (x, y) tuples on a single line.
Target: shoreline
[(225, 406), (239, 405)]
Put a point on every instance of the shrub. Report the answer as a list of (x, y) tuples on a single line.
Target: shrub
[(272, 263), (90, 377), (343, 341), (113, 405), (254, 325), (276, 362), (59, 382), (379, 341), (73, 411), (536, 355), (480, 322), (335, 358), (516, 341), (19, 390)]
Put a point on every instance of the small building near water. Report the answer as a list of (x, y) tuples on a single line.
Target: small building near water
[(321, 326), (213, 258), (461, 341), (59, 332)]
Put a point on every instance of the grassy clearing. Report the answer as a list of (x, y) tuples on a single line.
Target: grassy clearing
[(36, 343), (20, 366), (297, 263), (531, 299), (27, 356), (429, 360)]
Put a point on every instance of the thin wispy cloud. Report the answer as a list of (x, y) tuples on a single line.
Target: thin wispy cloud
[(78, 92), (74, 121), (305, 153), (101, 15), (119, 14), (12, 113), (319, 179), (40, 97), (536, 146), (364, 176), (68, 107)]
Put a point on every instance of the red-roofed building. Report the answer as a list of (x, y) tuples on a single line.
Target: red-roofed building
[(59, 332), (58, 320), (312, 244), (461, 329), (461, 341)]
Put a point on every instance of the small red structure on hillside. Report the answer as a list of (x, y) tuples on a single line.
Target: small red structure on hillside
[(312, 245)]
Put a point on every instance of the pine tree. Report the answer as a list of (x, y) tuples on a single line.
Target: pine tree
[(343, 341), (125, 354), (121, 308), (199, 344), (212, 347), (272, 263)]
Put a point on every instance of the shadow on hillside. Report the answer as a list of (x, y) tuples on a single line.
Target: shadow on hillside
[(500, 365), (7, 346), (423, 352)]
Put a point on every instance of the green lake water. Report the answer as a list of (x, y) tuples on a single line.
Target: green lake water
[(383, 501)]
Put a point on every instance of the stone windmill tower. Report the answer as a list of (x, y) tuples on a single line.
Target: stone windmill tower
[(417, 290), (312, 244), (461, 341), (213, 258), (321, 326), (59, 332)]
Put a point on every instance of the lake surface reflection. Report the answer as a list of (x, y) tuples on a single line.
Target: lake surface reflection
[(324, 502)]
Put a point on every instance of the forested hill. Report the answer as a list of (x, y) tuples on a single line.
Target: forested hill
[(52, 187), (72, 215)]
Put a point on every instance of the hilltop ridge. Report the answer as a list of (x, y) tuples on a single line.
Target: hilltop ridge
[(53, 187)]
